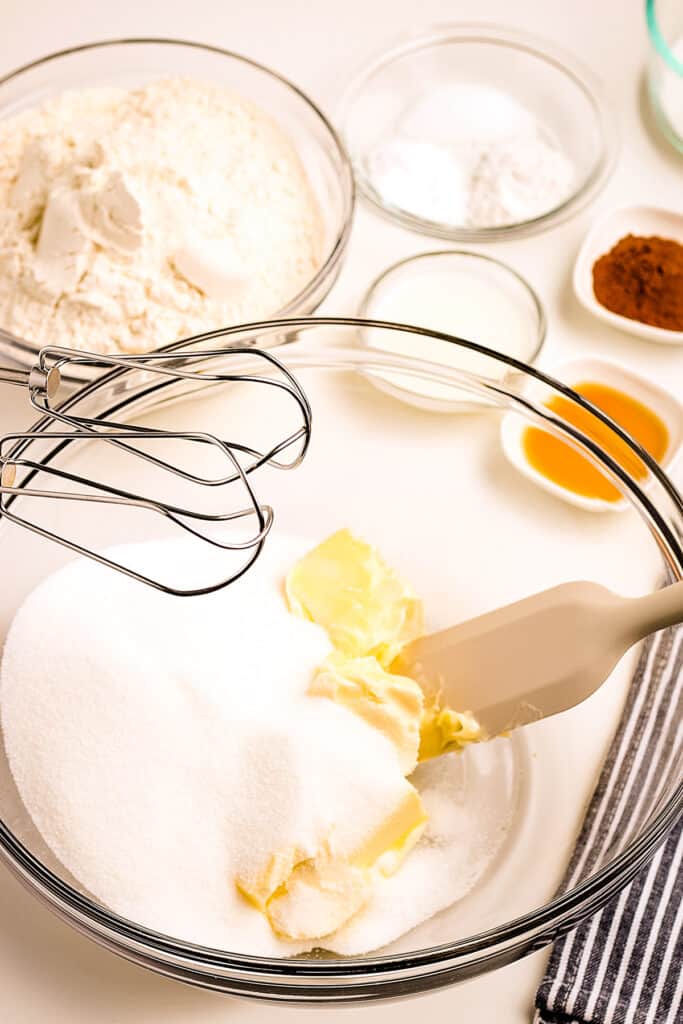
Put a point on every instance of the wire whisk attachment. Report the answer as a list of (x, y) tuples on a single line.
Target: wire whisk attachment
[(196, 481)]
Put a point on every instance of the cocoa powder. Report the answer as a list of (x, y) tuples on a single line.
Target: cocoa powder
[(642, 278)]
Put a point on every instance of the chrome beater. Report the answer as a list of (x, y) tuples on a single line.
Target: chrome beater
[(153, 374)]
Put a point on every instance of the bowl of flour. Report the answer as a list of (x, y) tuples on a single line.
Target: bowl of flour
[(477, 132), (152, 190)]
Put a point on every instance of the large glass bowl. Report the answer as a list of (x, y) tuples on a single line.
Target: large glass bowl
[(436, 494), (567, 101), (128, 63)]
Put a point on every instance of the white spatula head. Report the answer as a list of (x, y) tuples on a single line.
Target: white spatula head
[(538, 656)]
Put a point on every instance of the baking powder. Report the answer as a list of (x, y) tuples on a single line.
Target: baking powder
[(469, 155)]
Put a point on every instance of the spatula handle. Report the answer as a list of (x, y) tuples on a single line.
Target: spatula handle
[(655, 611)]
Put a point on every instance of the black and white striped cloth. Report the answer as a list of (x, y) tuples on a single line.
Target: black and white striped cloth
[(625, 965)]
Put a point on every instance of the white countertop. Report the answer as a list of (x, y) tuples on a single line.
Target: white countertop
[(48, 972)]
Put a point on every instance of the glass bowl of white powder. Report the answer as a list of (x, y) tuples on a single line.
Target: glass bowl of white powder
[(155, 189), (474, 131), (124, 818)]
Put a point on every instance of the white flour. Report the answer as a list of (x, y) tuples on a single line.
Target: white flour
[(158, 742), (129, 219), (469, 155)]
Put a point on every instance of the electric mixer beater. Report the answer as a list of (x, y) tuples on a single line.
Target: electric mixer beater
[(153, 373)]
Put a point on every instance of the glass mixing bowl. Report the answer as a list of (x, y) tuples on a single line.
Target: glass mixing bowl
[(436, 494), (565, 98), (128, 63)]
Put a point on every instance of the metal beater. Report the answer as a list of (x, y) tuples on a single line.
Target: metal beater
[(156, 372)]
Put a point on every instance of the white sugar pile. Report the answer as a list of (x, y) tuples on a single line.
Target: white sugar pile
[(157, 742)]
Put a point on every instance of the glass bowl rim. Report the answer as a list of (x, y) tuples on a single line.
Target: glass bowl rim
[(563, 911), (343, 172), (657, 38), (491, 33)]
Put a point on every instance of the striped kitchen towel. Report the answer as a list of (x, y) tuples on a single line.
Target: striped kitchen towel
[(625, 965)]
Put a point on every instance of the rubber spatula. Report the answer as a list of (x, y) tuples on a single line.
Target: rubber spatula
[(538, 656)]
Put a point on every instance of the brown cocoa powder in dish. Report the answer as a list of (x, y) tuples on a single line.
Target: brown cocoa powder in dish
[(642, 278)]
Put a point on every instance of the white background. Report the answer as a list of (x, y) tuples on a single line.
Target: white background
[(48, 973)]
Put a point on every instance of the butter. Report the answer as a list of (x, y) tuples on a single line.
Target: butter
[(309, 897), (444, 730), (318, 899), (390, 703), (369, 614), (344, 586)]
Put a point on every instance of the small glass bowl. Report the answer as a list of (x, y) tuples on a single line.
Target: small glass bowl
[(495, 276), (128, 63), (665, 77), (564, 96)]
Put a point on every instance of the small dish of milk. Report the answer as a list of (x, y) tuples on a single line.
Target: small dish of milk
[(466, 296)]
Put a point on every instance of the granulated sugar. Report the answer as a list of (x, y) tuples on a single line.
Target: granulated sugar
[(158, 743)]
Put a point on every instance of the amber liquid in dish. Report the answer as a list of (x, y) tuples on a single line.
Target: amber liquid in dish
[(559, 462)]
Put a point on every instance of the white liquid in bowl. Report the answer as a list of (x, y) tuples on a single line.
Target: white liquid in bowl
[(461, 294)]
